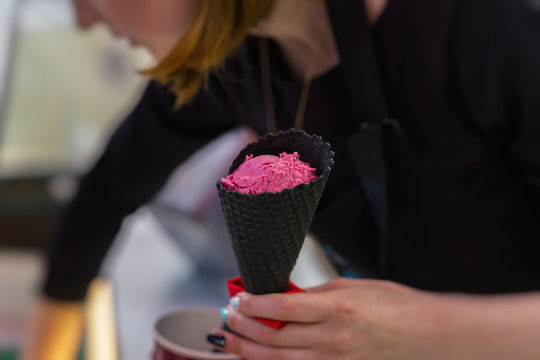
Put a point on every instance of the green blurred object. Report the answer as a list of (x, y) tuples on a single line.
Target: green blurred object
[(8, 355), (12, 355)]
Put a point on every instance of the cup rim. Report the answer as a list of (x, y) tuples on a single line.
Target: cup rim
[(168, 345)]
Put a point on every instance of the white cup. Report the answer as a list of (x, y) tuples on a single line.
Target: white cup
[(181, 335)]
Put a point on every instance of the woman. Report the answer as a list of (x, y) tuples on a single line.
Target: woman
[(454, 233)]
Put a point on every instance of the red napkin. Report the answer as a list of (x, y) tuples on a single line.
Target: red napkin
[(235, 285)]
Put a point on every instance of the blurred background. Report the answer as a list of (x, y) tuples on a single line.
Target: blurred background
[(62, 92)]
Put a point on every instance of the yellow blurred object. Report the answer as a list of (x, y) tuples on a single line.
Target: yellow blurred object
[(100, 330), (54, 331)]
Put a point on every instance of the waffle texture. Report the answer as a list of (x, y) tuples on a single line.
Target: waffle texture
[(267, 230)]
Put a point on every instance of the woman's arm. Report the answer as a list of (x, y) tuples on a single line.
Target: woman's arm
[(146, 148), (489, 327), (371, 319)]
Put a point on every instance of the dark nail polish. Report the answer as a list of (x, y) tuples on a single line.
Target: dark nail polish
[(217, 340)]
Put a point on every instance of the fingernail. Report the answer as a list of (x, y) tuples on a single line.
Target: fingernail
[(217, 340), (235, 302), (224, 313)]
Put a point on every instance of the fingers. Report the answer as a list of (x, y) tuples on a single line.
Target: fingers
[(309, 307), (293, 335), (248, 350), (299, 307)]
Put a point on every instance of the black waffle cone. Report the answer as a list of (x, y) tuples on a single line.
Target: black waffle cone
[(267, 230)]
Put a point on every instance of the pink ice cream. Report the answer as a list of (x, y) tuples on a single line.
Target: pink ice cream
[(269, 173)]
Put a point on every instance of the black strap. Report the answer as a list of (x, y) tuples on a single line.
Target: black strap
[(362, 75)]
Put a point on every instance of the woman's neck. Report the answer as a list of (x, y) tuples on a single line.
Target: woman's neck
[(302, 29)]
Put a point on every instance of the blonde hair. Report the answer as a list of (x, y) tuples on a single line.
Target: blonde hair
[(216, 30)]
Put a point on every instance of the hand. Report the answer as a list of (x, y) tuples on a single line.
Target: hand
[(343, 319)]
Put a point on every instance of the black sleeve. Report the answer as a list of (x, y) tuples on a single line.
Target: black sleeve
[(499, 63), (151, 142)]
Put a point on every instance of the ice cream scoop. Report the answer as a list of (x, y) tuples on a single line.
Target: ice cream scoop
[(269, 173)]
